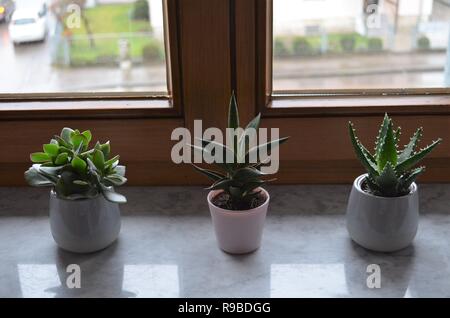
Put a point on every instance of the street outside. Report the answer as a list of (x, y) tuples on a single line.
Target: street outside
[(27, 68), (358, 71)]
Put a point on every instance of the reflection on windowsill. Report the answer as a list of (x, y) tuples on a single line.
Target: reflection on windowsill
[(307, 280), (142, 280)]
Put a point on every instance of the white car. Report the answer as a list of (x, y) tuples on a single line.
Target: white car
[(28, 25)]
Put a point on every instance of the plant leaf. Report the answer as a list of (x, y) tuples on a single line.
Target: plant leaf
[(110, 162), (51, 149), (79, 142), (217, 146), (233, 121), (91, 165), (253, 124), (409, 148), (39, 157), (388, 152), (35, 179), (381, 135), (106, 149), (368, 165), (247, 174), (249, 187), (80, 182), (79, 165), (398, 132), (99, 160), (116, 179), (223, 184), (233, 113), (368, 154), (417, 157), (62, 158), (409, 178), (120, 170), (268, 145), (214, 175), (112, 196), (88, 135), (387, 181), (66, 134)]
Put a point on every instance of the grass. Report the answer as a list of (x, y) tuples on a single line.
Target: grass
[(113, 18), (334, 42), (109, 20)]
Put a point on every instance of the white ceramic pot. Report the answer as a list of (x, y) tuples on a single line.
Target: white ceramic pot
[(383, 224), (238, 232), (84, 226)]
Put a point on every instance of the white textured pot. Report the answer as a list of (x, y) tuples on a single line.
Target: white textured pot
[(383, 224), (238, 232), (84, 226)]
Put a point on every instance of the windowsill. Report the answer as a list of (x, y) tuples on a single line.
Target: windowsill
[(114, 108), (167, 248), (358, 105)]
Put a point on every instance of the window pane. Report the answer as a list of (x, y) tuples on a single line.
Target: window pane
[(49, 46), (336, 44)]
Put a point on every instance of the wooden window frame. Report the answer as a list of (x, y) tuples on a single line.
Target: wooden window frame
[(334, 102), (216, 47), (139, 126), (317, 120), (90, 105)]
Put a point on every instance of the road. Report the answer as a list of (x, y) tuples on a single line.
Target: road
[(411, 70), (27, 68)]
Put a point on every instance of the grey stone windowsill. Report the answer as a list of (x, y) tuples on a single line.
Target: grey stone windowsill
[(167, 248)]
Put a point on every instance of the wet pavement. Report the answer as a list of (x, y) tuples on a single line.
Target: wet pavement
[(381, 70), (27, 68)]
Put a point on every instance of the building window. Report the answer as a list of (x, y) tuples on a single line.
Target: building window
[(63, 46), (355, 44)]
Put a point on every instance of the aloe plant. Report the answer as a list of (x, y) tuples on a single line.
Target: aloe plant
[(391, 171), (240, 178), (75, 171)]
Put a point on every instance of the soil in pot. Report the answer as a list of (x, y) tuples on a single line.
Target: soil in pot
[(366, 189), (223, 201)]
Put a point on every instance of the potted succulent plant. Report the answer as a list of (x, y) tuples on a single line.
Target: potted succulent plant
[(383, 208), (237, 202), (84, 210)]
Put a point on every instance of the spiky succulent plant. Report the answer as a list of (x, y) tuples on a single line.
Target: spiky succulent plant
[(239, 178), (391, 171), (75, 171)]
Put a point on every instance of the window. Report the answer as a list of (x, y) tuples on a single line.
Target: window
[(213, 47), (360, 44), (84, 46)]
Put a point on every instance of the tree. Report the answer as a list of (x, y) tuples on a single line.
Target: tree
[(74, 9)]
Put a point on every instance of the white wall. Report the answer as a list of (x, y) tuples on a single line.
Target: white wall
[(415, 7), (291, 15)]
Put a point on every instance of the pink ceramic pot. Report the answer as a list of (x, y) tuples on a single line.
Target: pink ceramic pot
[(238, 232)]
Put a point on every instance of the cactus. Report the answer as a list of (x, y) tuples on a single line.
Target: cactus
[(390, 172), (239, 179), (75, 171)]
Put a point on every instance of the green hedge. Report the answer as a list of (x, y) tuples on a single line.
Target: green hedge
[(423, 43), (336, 44), (141, 10)]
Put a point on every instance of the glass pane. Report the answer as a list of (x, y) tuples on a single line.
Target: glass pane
[(337, 44), (49, 46)]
